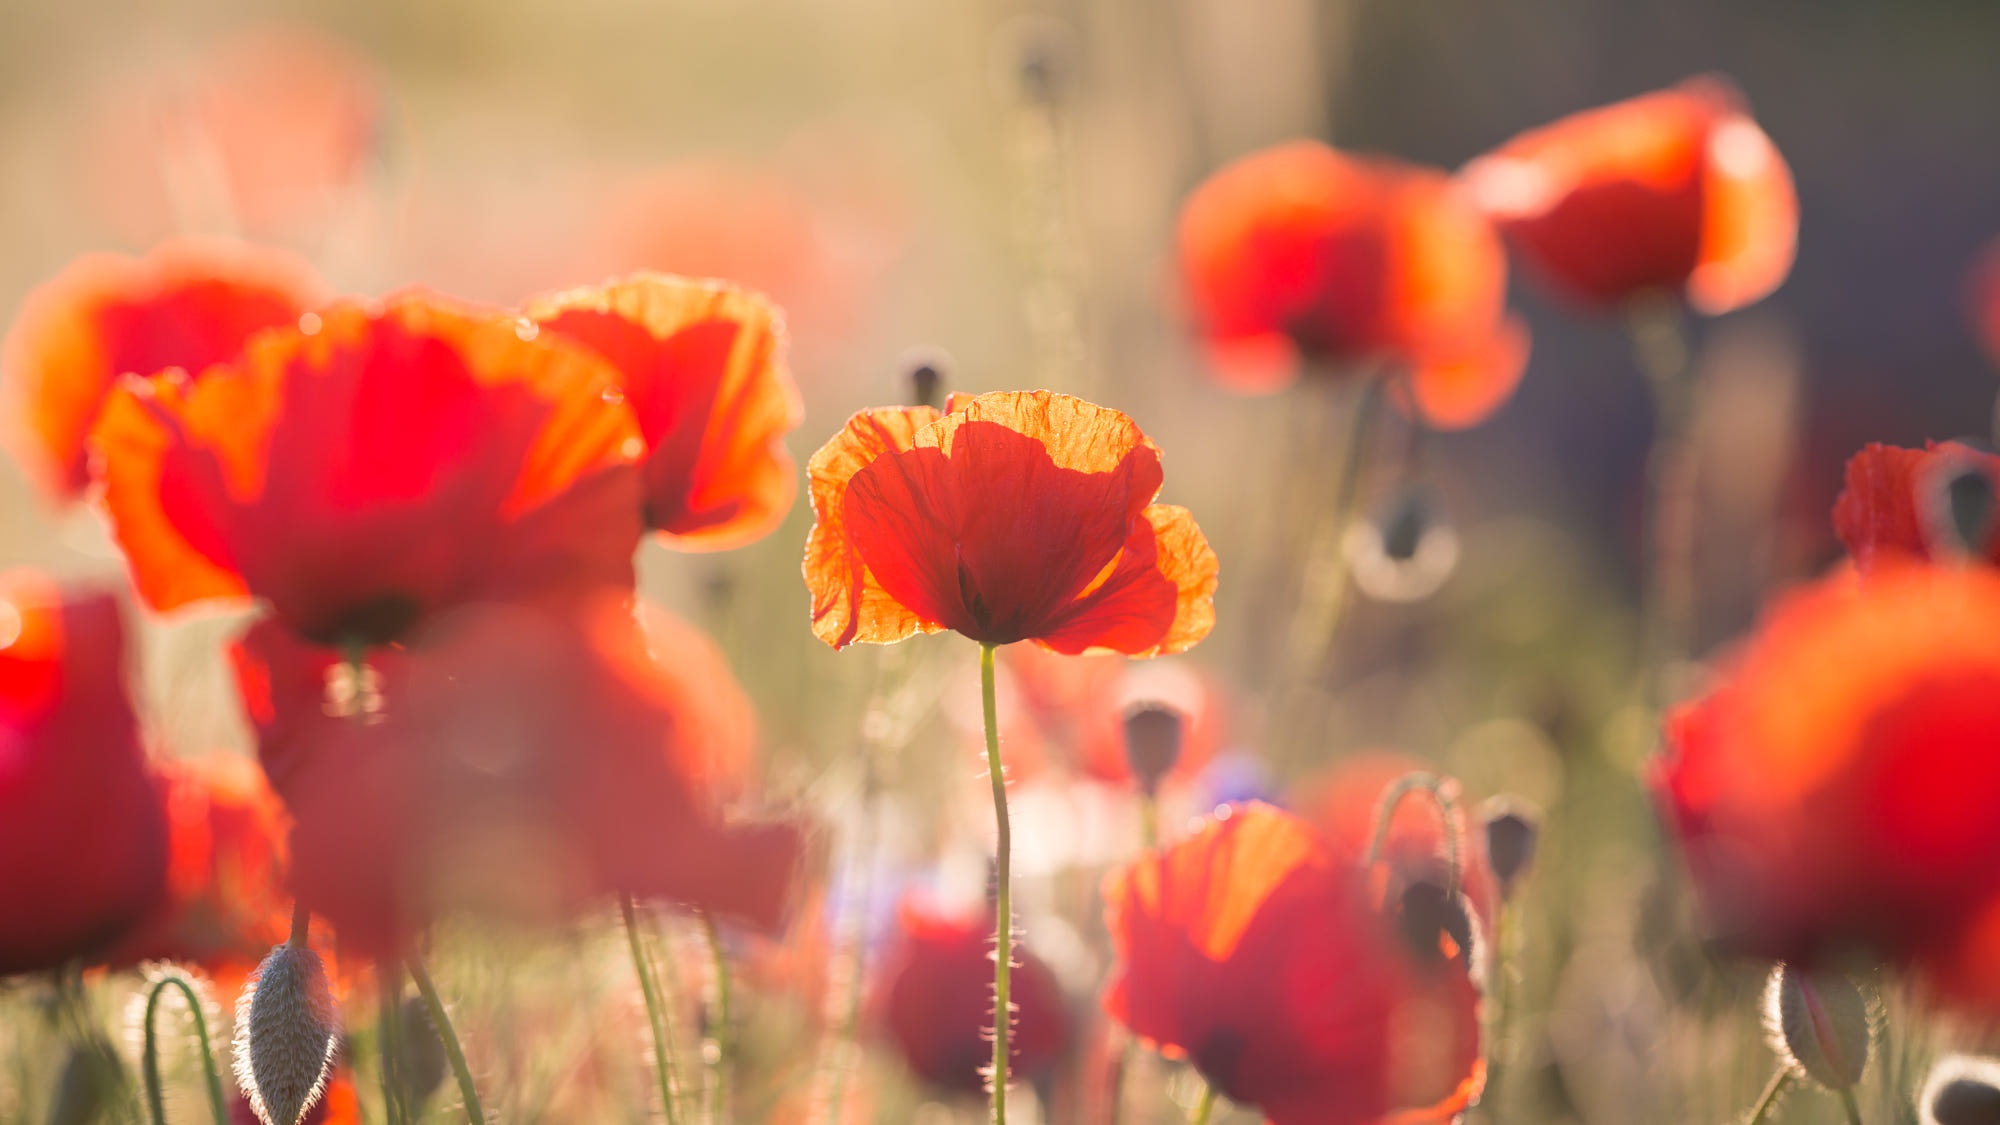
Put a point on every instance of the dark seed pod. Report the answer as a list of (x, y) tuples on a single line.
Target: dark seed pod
[(1153, 736), (1512, 830)]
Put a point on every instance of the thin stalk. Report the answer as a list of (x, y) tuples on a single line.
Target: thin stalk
[(1779, 1082), (1496, 1026), (1149, 838), (301, 925), (1204, 1107), (851, 953), (150, 1063), (720, 1031), (449, 1038), (1003, 896), (1385, 814), (1852, 1110), (1659, 339), (389, 1035), (655, 1016)]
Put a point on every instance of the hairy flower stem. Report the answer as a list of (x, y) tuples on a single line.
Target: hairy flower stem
[(1003, 891), (1204, 1107), (1439, 792), (723, 1055), (656, 1016), (442, 1022), (1659, 338), (1848, 1105), (150, 1061), (1779, 1082)]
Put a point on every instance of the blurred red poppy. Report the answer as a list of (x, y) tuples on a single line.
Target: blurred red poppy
[(187, 304), (1836, 793), (1894, 504), (934, 999), (83, 852), (1304, 255), (1255, 950), (226, 903), (1015, 516), (1343, 801), (702, 365), (1983, 294), (510, 759), (375, 465), (1676, 191)]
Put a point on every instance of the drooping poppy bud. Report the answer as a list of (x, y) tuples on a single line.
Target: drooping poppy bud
[(1153, 736), (1818, 1021), (1961, 1090), (1512, 830), (1406, 550), (287, 1031)]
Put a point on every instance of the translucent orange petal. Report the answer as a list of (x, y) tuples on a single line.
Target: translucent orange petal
[(1460, 390), (848, 604), (1750, 229), (702, 364)]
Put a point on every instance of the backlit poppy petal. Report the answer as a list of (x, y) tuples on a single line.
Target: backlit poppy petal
[(187, 304), (848, 603), (702, 364), (83, 851), (388, 462)]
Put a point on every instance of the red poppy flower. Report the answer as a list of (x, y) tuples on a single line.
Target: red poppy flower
[(935, 1001), (702, 364), (1836, 793), (1894, 498), (226, 903), (374, 466), (1343, 801), (1302, 254), (1016, 516), (186, 304), (1256, 951), (1677, 191), (82, 847), (509, 759)]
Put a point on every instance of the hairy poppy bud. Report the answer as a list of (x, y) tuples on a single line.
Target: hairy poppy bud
[(1961, 1090), (1153, 736), (287, 1030), (1512, 830), (1819, 1021), (926, 368), (1957, 503)]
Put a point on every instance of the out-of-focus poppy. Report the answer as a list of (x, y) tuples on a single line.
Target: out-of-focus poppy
[(934, 999), (1836, 793), (702, 365), (1983, 296), (1256, 951), (1302, 254), (1343, 803), (373, 466), (268, 131), (1013, 516), (187, 304), (83, 853), (1895, 504), (226, 903), (513, 759), (1676, 191)]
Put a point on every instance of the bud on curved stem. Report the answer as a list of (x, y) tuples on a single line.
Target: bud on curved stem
[(287, 1031), (1819, 1022), (150, 1061), (1442, 794)]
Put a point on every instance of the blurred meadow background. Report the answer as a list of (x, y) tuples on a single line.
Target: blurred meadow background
[(993, 189)]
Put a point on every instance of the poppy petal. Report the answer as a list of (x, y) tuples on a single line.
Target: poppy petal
[(848, 603)]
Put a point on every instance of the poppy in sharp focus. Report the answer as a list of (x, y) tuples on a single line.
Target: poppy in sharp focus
[(1303, 255), (1899, 503), (702, 364), (1256, 951), (83, 852), (374, 465), (1677, 192), (516, 759), (1836, 793), (187, 304), (1014, 516), (226, 903), (935, 1001)]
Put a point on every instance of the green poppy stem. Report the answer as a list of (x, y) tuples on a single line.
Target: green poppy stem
[(1848, 1105), (719, 1027), (150, 1062), (1659, 339), (1779, 1082), (656, 1016), (1204, 1107), (1003, 897), (388, 1035), (446, 1035)]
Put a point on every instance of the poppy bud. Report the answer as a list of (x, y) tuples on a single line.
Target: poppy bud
[(422, 1061), (1957, 502), (287, 1031), (1042, 60), (1153, 736), (1512, 830), (926, 367), (1436, 927), (1961, 1090), (1819, 1022)]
